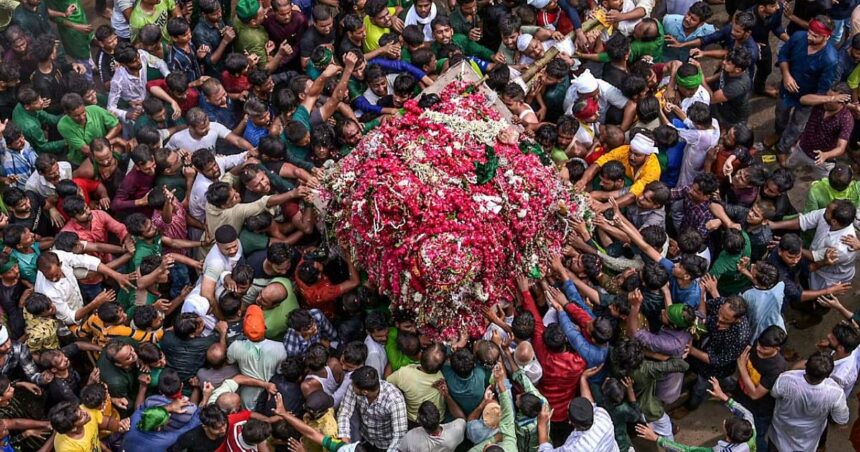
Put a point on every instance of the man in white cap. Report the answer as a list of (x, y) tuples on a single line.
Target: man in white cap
[(586, 85), (531, 48), (15, 355), (640, 165)]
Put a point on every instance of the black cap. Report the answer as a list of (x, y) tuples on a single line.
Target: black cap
[(581, 412)]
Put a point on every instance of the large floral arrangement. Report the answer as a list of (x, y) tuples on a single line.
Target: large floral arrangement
[(442, 208)]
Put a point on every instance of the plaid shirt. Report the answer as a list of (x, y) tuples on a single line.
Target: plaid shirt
[(695, 214), (19, 357), (383, 422), (296, 345)]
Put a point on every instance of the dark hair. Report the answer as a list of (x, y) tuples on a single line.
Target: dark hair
[(242, 274), (745, 20), (365, 378), (63, 416), (300, 320), (211, 415), (772, 336), (185, 325), (766, 274), (404, 84), (648, 108), (617, 47), (700, 114), (38, 304), (149, 353), (44, 162), (218, 194), (740, 57), (256, 431), (847, 336), (654, 276), (613, 391), (628, 356), (819, 366), (840, 176), (733, 242), (463, 363), (690, 241), (177, 26), (145, 316), (791, 243), (135, 223), (293, 368), (169, 382), (93, 395), (612, 170), (523, 326), (696, 266), (737, 305), (554, 338), (654, 235), (230, 303), (707, 182), (428, 416), (665, 136), (375, 321), (783, 178), (602, 330), (739, 430), (236, 63), (557, 68), (355, 353), (702, 10), (633, 85), (843, 212), (408, 343), (110, 313)]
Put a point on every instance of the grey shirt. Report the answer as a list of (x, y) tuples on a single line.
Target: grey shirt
[(418, 440)]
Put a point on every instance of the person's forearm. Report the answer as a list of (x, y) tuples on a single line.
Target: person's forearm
[(785, 69), (816, 99), (119, 262), (219, 52), (181, 243), (794, 223), (454, 408), (25, 424), (244, 380), (239, 142), (183, 259), (700, 355)]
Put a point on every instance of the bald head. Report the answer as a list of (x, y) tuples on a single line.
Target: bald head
[(217, 354), (229, 402), (271, 295), (524, 353)]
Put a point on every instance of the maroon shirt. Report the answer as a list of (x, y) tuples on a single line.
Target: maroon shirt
[(291, 32), (135, 186), (822, 134)]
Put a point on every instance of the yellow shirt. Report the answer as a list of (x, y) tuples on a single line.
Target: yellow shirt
[(374, 32), (89, 442), (417, 387), (41, 333), (326, 424), (647, 173)]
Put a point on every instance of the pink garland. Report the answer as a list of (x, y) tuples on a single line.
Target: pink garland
[(407, 204)]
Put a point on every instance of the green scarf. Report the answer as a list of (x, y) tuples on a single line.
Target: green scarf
[(690, 81), (152, 419)]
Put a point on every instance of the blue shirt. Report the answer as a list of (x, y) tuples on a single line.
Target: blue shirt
[(725, 39), (814, 73), (846, 63), (674, 158), (224, 116), (673, 25), (765, 308), (253, 134), (138, 441), (690, 296)]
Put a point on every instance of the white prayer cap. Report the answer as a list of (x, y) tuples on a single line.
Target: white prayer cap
[(641, 144), (523, 41), (4, 334), (196, 304), (539, 4), (585, 83)]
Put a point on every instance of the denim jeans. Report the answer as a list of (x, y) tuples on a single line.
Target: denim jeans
[(789, 123)]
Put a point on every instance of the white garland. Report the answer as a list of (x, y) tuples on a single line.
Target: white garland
[(485, 132)]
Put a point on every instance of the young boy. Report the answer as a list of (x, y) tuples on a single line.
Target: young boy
[(258, 121), (765, 299), (404, 88), (234, 78), (513, 96), (77, 428), (25, 249), (106, 40), (183, 55), (700, 131), (41, 323)]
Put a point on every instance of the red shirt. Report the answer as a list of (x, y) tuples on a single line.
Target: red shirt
[(192, 96), (321, 295), (233, 84), (235, 424), (561, 371)]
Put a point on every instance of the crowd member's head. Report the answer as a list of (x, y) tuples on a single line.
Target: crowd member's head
[(840, 89), (737, 61), (688, 78), (731, 312), (840, 214), (818, 367), (819, 30), (213, 421), (770, 341), (778, 183), (642, 146), (842, 340), (697, 15), (679, 316), (120, 354), (250, 12), (67, 417), (765, 275), (39, 305), (742, 25), (647, 30), (323, 21), (655, 196)]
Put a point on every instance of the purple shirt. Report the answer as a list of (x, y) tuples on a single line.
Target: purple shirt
[(823, 134), (291, 32), (672, 343), (135, 186)]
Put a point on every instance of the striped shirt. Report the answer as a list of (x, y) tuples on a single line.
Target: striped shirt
[(18, 163), (599, 438), (383, 422)]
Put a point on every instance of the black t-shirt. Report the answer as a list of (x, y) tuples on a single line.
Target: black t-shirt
[(64, 389), (195, 440), (737, 90), (613, 75), (311, 39), (9, 298), (38, 221), (763, 372)]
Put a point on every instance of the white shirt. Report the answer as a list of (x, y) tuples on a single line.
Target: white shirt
[(699, 142), (118, 22), (132, 87), (802, 410), (197, 304), (197, 198), (701, 95), (36, 183), (845, 371), (65, 293), (608, 95), (599, 438), (184, 140), (216, 263), (843, 269), (376, 357)]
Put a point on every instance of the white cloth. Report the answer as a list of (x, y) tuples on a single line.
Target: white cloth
[(36, 183), (663, 427), (843, 269), (197, 197), (599, 438), (197, 304), (699, 142), (802, 410), (184, 140), (65, 293), (118, 21), (625, 27), (844, 373), (412, 18), (132, 88), (701, 95), (641, 144), (376, 357), (566, 47), (523, 41), (609, 95)]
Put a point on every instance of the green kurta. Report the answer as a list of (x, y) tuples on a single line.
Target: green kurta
[(99, 122), (729, 280), (470, 48), (276, 318), (251, 39), (75, 43), (31, 125)]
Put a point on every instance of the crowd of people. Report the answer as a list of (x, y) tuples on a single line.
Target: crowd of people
[(165, 287)]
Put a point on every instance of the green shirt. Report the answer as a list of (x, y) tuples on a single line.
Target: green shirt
[(526, 428), (469, 47), (729, 280), (99, 122), (251, 39), (75, 43), (459, 23), (821, 193), (645, 384), (641, 48), (276, 318), (506, 427), (173, 182), (253, 241), (396, 358), (140, 18), (31, 125)]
